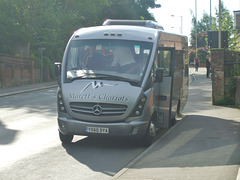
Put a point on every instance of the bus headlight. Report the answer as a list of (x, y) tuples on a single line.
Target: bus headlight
[(61, 106), (140, 106)]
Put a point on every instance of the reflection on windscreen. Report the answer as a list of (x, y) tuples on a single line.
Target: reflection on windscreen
[(117, 58)]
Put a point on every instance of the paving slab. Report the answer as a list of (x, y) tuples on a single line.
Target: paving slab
[(205, 144)]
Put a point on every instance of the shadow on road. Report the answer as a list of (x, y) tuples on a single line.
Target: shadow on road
[(8, 134), (197, 142), (104, 155)]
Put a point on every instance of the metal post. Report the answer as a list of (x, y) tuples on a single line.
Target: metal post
[(210, 15), (210, 30), (181, 24), (196, 24), (219, 29)]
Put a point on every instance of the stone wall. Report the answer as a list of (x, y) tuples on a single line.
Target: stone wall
[(237, 102), (225, 65), (16, 71)]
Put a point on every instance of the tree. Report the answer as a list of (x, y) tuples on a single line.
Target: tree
[(50, 23), (202, 27), (125, 9), (11, 31), (227, 24)]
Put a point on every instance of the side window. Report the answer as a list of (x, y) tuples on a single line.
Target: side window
[(164, 61), (156, 61)]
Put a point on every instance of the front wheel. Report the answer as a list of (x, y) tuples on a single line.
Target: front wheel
[(65, 138), (150, 135)]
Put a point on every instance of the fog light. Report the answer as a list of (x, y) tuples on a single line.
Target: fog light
[(62, 126), (62, 108), (137, 113)]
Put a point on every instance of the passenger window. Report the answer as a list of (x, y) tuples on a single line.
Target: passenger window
[(165, 61)]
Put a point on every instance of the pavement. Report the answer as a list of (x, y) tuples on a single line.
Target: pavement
[(9, 91), (204, 145)]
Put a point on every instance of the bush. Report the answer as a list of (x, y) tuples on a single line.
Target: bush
[(225, 102), (202, 53)]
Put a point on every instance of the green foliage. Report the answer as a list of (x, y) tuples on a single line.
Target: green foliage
[(191, 56), (235, 72), (125, 9), (227, 24), (201, 28), (225, 102), (50, 23), (202, 53)]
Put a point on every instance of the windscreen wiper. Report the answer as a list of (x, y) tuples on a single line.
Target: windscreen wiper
[(82, 77), (116, 78)]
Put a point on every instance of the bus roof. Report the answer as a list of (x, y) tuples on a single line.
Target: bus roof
[(117, 32), (145, 23)]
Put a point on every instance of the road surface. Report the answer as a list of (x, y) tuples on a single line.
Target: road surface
[(30, 147)]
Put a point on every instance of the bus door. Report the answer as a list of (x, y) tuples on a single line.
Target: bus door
[(163, 91)]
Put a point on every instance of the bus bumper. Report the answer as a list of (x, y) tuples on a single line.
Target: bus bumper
[(133, 129)]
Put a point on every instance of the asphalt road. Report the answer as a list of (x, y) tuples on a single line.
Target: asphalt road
[(30, 147)]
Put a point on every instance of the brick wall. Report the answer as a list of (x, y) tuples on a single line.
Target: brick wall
[(16, 71), (223, 64), (238, 91)]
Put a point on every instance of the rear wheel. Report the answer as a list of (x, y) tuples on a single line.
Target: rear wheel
[(65, 138)]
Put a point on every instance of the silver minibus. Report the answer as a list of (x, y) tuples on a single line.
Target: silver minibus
[(125, 79)]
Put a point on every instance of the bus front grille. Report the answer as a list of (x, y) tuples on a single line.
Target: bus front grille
[(98, 109)]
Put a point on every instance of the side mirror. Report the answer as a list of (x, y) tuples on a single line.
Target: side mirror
[(159, 75), (58, 67)]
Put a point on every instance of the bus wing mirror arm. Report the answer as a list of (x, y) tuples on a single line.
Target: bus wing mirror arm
[(58, 68), (159, 75)]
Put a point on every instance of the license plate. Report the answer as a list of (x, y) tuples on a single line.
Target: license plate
[(100, 130)]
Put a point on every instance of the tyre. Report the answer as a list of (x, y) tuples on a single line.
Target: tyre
[(150, 135), (65, 138)]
